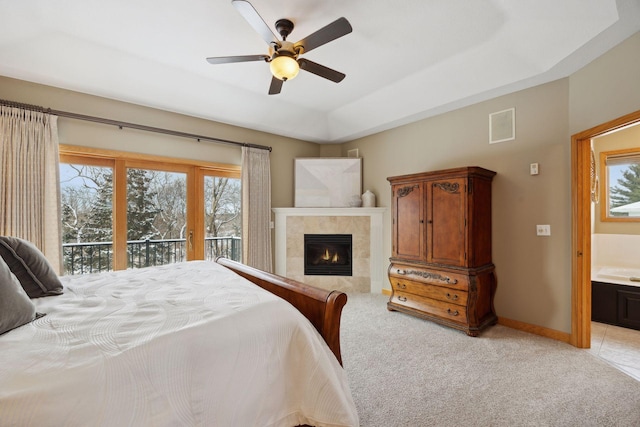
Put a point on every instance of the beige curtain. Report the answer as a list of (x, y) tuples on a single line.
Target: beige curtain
[(29, 189), (256, 208)]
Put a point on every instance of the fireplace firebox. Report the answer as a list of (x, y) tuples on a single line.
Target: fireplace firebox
[(327, 255)]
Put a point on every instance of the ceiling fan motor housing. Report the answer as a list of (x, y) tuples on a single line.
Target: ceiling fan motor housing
[(285, 48), (284, 27)]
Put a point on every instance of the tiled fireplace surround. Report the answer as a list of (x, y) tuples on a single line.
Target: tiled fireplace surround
[(365, 226)]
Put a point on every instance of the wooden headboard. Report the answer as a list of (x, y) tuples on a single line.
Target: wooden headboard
[(323, 308)]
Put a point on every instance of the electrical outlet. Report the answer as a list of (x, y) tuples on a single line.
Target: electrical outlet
[(533, 168), (543, 230)]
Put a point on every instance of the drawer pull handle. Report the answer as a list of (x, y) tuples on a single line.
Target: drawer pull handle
[(428, 275), (402, 286), (401, 298), (453, 297), (453, 313)]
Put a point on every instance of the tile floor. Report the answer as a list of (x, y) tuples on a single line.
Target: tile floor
[(618, 346)]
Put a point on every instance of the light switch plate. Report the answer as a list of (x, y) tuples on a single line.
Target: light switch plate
[(543, 230), (533, 168)]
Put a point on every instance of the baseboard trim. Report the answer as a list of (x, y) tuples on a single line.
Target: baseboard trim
[(536, 330), (525, 327)]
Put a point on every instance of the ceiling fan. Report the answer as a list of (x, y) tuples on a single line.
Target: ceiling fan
[(283, 55)]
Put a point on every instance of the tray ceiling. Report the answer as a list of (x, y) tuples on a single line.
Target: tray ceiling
[(404, 61)]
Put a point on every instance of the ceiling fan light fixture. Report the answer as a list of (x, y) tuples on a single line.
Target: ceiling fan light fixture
[(284, 66), (283, 55)]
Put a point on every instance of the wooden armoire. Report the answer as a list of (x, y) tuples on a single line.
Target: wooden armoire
[(441, 267)]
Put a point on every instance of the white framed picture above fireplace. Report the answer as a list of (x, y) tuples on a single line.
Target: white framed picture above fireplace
[(334, 182)]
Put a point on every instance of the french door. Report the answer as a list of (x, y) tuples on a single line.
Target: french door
[(146, 210)]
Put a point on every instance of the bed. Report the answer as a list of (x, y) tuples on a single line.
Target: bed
[(198, 343)]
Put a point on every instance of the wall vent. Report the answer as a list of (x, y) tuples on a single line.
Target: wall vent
[(502, 126)]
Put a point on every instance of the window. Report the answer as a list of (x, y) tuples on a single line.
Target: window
[(86, 195), (156, 217), (222, 217), (621, 192), (123, 210)]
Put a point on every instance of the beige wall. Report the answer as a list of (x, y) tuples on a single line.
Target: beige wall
[(331, 150), (534, 273), (607, 88), (533, 278)]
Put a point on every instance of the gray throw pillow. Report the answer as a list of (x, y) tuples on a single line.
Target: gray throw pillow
[(30, 266), (16, 308)]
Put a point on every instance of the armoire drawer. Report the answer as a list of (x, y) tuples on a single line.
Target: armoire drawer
[(436, 292), (430, 275), (452, 312)]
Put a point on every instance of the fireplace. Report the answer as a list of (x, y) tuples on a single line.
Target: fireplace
[(327, 255)]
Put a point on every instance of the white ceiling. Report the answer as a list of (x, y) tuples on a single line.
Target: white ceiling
[(405, 60)]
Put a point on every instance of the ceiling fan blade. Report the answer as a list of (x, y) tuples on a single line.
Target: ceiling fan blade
[(321, 70), (231, 59), (276, 86), (338, 28), (254, 19)]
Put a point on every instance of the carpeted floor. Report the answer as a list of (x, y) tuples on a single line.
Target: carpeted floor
[(405, 371)]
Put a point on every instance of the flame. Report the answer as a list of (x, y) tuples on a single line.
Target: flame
[(327, 257)]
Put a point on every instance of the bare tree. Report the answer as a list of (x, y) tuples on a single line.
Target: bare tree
[(170, 201)]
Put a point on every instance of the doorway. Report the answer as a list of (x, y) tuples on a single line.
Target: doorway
[(581, 226)]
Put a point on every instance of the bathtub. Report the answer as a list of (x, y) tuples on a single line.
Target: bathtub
[(617, 275)]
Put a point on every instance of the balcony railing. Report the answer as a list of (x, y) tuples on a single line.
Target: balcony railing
[(94, 257)]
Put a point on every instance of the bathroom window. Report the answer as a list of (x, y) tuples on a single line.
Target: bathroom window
[(621, 193)]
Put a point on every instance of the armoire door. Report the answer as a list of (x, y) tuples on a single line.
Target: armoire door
[(446, 221), (408, 221)]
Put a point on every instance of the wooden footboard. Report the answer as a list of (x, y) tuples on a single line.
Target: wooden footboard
[(323, 308)]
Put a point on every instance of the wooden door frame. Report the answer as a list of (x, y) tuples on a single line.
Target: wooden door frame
[(581, 226)]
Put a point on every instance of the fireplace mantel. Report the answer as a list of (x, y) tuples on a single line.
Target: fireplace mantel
[(285, 252)]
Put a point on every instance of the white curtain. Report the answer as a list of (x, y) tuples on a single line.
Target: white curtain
[(29, 171), (256, 208)]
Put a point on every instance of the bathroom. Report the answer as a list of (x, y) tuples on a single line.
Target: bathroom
[(615, 249)]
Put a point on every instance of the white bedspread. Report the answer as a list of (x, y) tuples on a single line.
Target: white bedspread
[(190, 344)]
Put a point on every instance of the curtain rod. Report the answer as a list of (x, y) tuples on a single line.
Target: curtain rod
[(121, 124)]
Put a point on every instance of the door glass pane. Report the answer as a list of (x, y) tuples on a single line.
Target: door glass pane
[(222, 218), (156, 217), (86, 194)]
